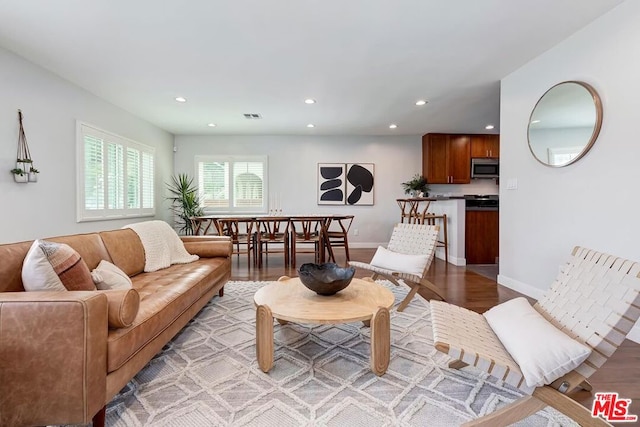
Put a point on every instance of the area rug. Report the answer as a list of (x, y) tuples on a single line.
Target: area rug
[(208, 376)]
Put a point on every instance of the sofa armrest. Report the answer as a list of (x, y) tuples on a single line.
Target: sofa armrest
[(53, 357), (208, 246)]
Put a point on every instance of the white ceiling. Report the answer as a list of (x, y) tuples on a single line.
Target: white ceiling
[(366, 62)]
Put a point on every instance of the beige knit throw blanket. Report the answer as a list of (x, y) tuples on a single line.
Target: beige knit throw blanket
[(162, 245)]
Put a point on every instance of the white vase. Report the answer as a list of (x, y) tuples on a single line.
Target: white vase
[(33, 177)]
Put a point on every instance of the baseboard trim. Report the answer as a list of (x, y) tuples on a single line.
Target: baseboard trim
[(523, 288), (459, 262), (533, 292), (366, 245)]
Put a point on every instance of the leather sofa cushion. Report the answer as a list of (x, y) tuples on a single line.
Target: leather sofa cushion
[(123, 306), (126, 250), (164, 295)]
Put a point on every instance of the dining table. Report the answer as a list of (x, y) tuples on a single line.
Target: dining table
[(219, 224)]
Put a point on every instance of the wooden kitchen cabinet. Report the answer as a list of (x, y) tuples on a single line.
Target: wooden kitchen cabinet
[(481, 236), (446, 158), (485, 146)]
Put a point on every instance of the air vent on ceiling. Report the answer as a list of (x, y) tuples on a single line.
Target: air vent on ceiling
[(252, 116)]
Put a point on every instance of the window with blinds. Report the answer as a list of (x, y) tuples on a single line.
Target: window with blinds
[(115, 176), (232, 184)]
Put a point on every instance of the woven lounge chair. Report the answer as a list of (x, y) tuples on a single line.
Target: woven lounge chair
[(595, 300), (408, 239)]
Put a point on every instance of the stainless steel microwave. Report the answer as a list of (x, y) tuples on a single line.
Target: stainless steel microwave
[(485, 168)]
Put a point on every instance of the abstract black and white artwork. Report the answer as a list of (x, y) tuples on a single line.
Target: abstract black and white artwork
[(331, 183), (359, 189)]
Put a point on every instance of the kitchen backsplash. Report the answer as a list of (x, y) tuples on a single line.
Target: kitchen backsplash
[(477, 186)]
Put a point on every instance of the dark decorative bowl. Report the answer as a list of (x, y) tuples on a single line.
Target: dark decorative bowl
[(325, 279)]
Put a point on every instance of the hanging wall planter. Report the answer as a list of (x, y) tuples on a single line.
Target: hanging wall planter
[(24, 170)]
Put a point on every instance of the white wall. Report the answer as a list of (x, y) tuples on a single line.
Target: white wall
[(51, 106), (594, 202), (293, 172)]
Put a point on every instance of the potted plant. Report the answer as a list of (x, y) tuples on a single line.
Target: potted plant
[(185, 202), (33, 174), (416, 186), (24, 170), (19, 174)]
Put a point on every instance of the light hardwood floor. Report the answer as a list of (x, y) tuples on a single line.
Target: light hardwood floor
[(620, 374)]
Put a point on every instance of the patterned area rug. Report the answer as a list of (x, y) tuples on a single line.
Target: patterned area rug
[(208, 376)]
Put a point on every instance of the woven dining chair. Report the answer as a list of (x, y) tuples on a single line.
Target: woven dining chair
[(409, 239), (595, 300)]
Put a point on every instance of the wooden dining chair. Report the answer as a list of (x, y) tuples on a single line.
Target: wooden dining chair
[(337, 234), (306, 237), (273, 237), (241, 231)]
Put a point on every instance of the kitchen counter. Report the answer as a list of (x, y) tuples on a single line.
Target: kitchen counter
[(454, 207)]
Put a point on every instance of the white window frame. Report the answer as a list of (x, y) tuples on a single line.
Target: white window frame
[(233, 159), (83, 214)]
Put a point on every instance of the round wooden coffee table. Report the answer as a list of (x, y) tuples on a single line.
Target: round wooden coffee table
[(288, 300)]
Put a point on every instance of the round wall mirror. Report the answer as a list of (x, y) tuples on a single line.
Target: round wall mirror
[(565, 123)]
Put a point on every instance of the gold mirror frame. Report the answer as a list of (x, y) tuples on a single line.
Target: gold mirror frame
[(597, 103)]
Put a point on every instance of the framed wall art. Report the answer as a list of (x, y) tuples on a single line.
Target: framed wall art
[(331, 183), (360, 183)]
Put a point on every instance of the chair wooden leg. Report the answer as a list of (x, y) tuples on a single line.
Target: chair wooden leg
[(427, 284), (510, 414), (346, 249), (100, 417), (405, 302), (586, 385), (221, 292), (567, 406), (457, 364)]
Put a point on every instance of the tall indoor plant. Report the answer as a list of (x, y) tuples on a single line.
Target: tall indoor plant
[(185, 202)]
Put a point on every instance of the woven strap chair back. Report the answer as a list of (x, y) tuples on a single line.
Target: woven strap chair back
[(596, 300), (414, 239)]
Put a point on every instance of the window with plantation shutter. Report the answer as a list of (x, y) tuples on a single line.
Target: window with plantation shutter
[(115, 176), (232, 183)]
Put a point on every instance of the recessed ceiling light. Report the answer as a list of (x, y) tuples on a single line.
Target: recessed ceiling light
[(309, 101), (533, 122), (489, 127), (181, 99), (421, 102), (211, 125), (311, 125), (393, 126)]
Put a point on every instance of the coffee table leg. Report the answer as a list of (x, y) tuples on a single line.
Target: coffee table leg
[(264, 337), (380, 341)]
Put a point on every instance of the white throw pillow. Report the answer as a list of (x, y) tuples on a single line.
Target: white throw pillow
[(395, 261), (543, 352), (37, 271), (108, 276)]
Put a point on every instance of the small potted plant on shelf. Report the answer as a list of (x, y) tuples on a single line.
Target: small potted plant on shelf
[(417, 186)]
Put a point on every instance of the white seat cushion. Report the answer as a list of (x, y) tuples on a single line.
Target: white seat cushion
[(542, 351), (403, 263)]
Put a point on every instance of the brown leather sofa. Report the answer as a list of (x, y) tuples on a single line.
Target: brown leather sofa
[(60, 362)]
